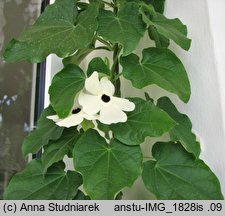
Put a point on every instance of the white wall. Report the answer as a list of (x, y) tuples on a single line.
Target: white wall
[(206, 68)]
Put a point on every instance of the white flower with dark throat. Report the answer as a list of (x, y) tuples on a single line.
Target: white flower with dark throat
[(76, 117), (98, 98)]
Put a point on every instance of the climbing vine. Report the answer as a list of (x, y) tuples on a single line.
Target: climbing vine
[(89, 120)]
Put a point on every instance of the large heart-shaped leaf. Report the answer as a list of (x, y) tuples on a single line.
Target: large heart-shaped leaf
[(46, 130), (56, 150), (60, 30), (64, 88), (31, 184), (158, 66), (182, 131), (177, 175), (126, 28), (172, 29), (106, 168), (145, 120)]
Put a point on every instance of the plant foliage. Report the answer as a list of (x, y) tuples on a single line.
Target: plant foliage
[(108, 157)]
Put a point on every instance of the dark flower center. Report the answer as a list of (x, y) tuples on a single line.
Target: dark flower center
[(105, 98), (75, 111)]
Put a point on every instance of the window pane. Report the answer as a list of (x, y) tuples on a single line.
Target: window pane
[(16, 88)]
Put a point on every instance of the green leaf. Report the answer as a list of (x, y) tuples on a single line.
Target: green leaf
[(146, 120), (106, 168), (160, 40), (146, 9), (177, 175), (56, 150), (182, 131), (64, 88), (31, 184), (60, 30), (46, 130), (158, 66), (172, 29), (158, 4), (127, 28), (97, 64)]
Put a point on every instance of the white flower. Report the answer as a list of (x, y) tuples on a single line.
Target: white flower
[(75, 118), (99, 98)]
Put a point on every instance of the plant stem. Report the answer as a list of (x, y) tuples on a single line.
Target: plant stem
[(103, 47), (115, 66), (117, 77), (78, 57), (104, 42), (115, 70)]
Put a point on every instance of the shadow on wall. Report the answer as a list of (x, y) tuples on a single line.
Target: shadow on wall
[(15, 88)]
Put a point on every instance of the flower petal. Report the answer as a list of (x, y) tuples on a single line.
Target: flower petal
[(55, 118), (92, 84), (91, 104), (107, 87), (89, 117), (112, 114), (70, 121), (123, 104)]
